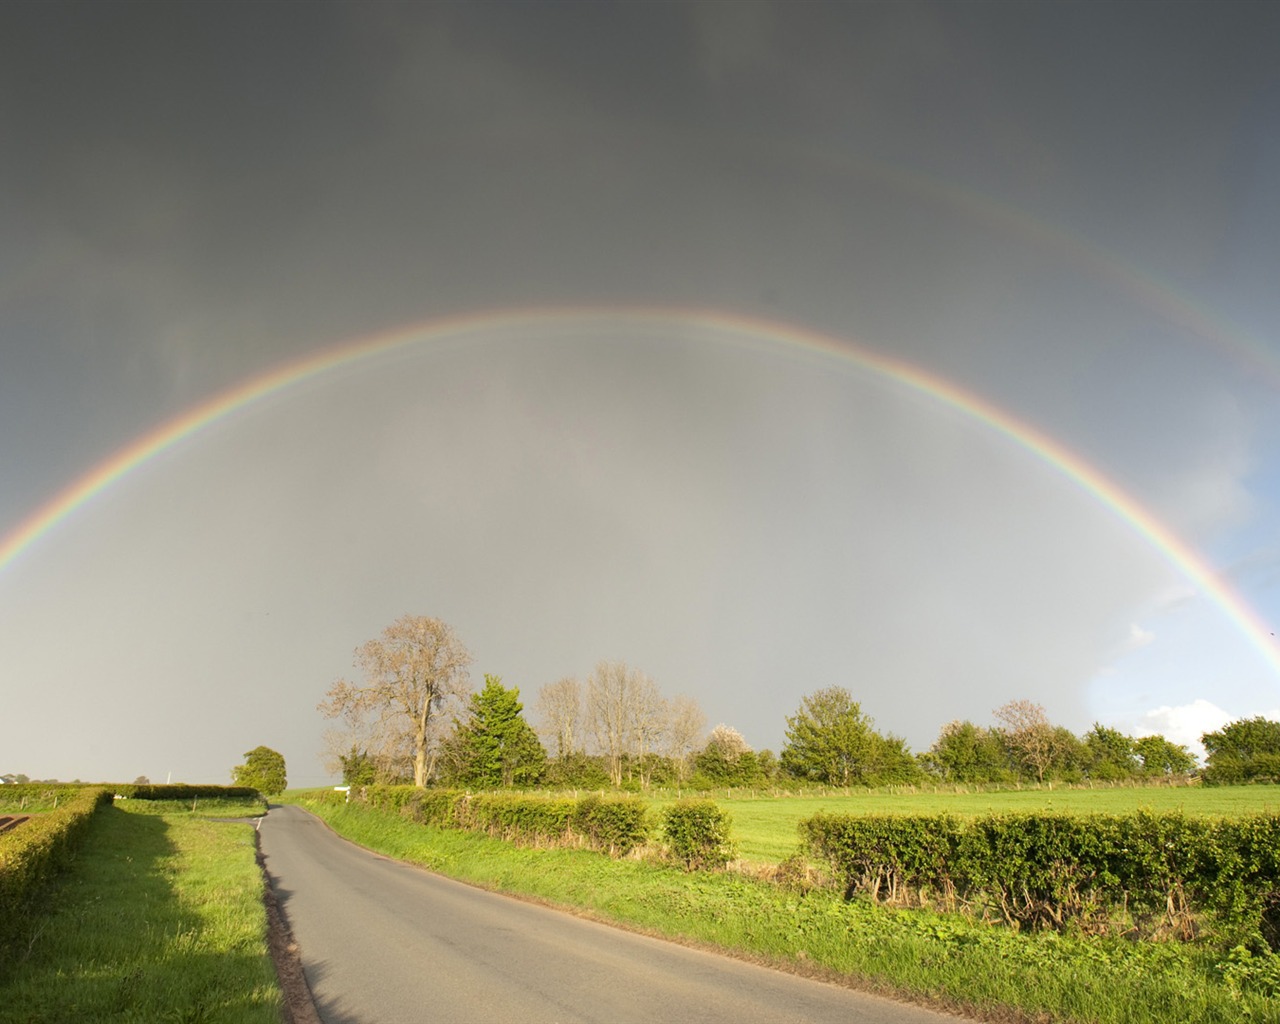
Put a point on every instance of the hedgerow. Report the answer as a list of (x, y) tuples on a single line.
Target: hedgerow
[(1156, 874), (33, 852), (615, 825), (181, 791)]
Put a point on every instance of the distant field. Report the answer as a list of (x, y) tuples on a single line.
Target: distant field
[(765, 826)]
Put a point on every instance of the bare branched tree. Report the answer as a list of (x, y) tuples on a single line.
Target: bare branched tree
[(625, 713), (560, 714), (684, 729), (1029, 733), (411, 671)]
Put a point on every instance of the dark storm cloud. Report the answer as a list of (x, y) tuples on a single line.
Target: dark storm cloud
[(193, 193)]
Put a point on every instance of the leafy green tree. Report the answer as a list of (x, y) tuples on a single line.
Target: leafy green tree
[(964, 752), (496, 746), (358, 767), (1159, 756), (1109, 754), (263, 770), (830, 740), (1243, 751), (1069, 760), (892, 763)]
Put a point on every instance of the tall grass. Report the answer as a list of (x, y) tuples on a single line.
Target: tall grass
[(944, 960), (159, 919)]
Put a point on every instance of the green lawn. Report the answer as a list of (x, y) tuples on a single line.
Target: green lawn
[(159, 919)]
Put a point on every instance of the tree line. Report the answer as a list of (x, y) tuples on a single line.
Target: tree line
[(415, 718)]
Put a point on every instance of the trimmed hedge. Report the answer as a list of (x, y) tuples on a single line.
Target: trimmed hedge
[(1153, 873), (615, 825), (697, 832), (35, 851), (181, 791)]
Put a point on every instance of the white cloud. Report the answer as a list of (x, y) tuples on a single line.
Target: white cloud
[(1185, 723), (1139, 637)]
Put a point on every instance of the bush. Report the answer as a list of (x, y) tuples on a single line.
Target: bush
[(616, 826), (697, 833)]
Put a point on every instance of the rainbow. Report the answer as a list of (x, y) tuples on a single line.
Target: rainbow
[(768, 334)]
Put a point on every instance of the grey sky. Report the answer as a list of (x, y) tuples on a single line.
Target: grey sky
[(192, 194)]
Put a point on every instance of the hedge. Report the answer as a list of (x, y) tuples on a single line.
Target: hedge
[(1162, 874), (35, 851), (181, 791), (615, 825)]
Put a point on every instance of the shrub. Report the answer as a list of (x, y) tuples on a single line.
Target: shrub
[(697, 833), (616, 826)]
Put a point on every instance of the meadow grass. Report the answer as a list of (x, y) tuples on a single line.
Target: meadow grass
[(765, 826), (159, 919), (948, 961)]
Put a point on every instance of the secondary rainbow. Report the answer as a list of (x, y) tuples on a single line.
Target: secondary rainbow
[(740, 328)]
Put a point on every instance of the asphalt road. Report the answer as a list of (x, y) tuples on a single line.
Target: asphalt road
[(383, 943)]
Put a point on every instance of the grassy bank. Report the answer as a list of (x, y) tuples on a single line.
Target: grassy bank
[(947, 961), (159, 919)]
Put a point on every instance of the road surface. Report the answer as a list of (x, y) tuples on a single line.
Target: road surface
[(383, 943)]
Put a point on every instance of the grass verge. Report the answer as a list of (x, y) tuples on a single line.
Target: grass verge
[(159, 919), (946, 961)]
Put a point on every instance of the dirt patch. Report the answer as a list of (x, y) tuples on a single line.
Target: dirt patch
[(299, 1007)]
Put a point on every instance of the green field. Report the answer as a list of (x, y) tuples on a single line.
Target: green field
[(159, 919), (765, 826)]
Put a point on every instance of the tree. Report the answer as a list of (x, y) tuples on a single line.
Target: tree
[(727, 758), (964, 752), (1159, 756), (1108, 754), (1029, 735), (1247, 750), (411, 672), (685, 722), (624, 711), (263, 770), (560, 714), (496, 746), (358, 767), (830, 740)]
